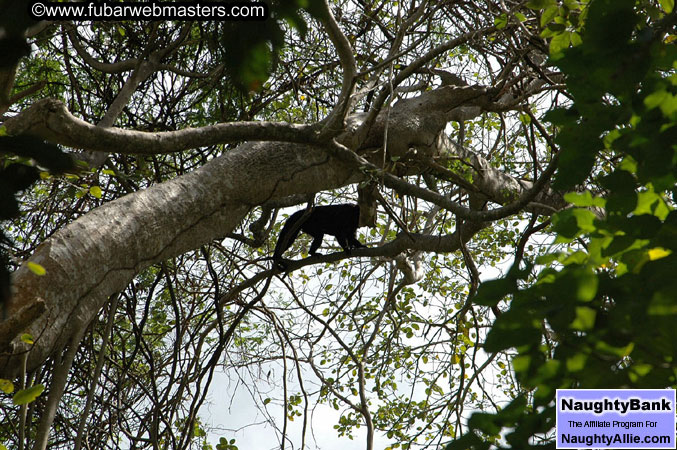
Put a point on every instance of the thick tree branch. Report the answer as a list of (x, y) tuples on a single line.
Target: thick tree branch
[(117, 67), (50, 120), (365, 128), (414, 122)]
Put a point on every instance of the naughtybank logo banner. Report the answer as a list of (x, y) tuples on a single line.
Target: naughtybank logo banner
[(616, 418)]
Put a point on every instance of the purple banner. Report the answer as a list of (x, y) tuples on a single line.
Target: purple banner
[(616, 418)]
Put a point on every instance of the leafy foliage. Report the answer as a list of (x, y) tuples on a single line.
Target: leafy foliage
[(605, 317), (249, 49)]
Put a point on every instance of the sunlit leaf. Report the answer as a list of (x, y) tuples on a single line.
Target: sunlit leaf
[(36, 268), (576, 362), (559, 42), (585, 319), (658, 253), (95, 191), (540, 4), (6, 386), (501, 21), (584, 198), (25, 396), (667, 5), (549, 14)]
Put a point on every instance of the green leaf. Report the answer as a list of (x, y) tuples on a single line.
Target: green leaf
[(655, 99), (492, 291), (585, 318), (571, 222), (513, 328), (669, 105), (541, 4), (25, 396), (484, 422), (617, 351), (667, 5), (618, 244), (559, 43), (576, 362), (36, 268), (662, 304), (577, 157), (27, 338), (649, 202), (501, 21), (584, 199), (550, 13), (521, 363), (6, 386), (573, 5), (586, 283), (575, 39), (549, 370), (95, 191), (585, 219), (468, 440)]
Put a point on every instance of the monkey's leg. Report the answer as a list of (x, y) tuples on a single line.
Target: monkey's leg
[(284, 241), (354, 242), (344, 242), (317, 241)]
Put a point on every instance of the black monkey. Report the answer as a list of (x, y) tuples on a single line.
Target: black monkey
[(340, 221)]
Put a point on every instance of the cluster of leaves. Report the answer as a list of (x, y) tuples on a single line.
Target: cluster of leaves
[(609, 306), (250, 48), (561, 23)]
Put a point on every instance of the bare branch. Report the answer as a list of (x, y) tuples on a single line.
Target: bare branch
[(334, 122)]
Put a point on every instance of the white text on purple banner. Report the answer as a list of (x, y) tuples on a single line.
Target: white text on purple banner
[(616, 418)]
